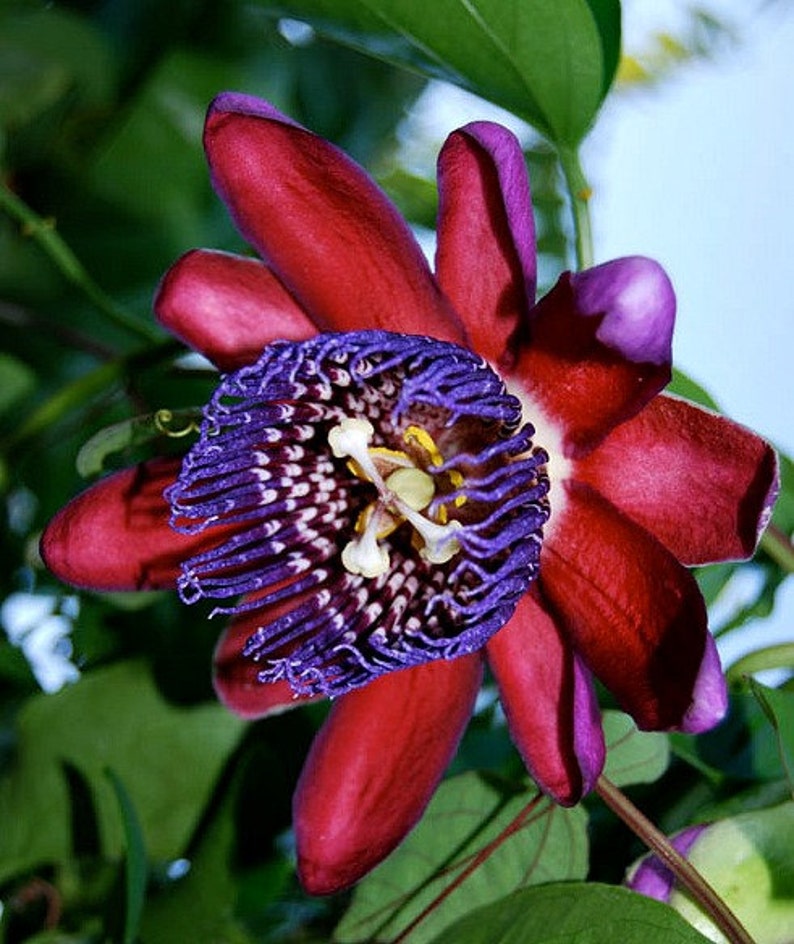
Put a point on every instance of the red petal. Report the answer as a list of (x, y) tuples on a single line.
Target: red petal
[(549, 703), (374, 766), (236, 678), (701, 484), (632, 611), (315, 216), (486, 234), (228, 307), (116, 536), (598, 349)]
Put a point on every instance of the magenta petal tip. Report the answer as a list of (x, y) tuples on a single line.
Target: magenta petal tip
[(709, 695), (637, 300), (652, 877), (238, 103)]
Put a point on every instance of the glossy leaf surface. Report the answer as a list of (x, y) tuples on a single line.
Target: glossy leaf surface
[(551, 64)]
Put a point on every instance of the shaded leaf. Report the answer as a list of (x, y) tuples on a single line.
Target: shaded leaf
[(203, 898), (548, 63), (132, 432), (778, 707), (633, 756), (744, 746), (547, 843), (607, 17), (135, 866), (46, 55), (168, 759), (17, 381), (572, 914)]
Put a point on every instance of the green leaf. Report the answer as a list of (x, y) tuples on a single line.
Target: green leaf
[(760, 660), (150, 165), (778, 706), (684, 386), (572, 914), (136, 871), (48, 55), (465, 816), (747, 860), (551, 64), (17, 381), (633, 756), (607, 17), (204, 898), (745, 746), (168, 758)]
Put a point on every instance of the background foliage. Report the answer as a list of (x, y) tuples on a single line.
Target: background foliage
[(132, 807)]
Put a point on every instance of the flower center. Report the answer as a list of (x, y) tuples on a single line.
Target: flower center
[(402, 495), (370, 499)]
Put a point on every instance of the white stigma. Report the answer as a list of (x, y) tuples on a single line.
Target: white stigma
[(405, 492)]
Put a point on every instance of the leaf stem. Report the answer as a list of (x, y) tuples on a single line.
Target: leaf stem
[(779, 548), (686, 874), (770, 657), (44, 233), (579, 193)]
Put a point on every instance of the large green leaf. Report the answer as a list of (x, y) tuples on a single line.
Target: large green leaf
[(204, 898), (167, 758), (633, 756), (572, 914), (548, 63), (465, 816)]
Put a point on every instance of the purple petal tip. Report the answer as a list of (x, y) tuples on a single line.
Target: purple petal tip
[(637, 301), (709, 695), (652, 877), (238, 103)]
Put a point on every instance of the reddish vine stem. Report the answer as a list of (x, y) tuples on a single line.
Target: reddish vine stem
[(686, 874), (512, 827)]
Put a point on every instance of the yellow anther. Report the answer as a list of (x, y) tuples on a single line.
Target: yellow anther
[(404, 491), (423, 439)]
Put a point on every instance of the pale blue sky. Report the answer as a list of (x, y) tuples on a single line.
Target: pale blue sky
[(699, 174)]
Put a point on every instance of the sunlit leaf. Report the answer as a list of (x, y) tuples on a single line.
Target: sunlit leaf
[(549, 63), (545, 843), (168, 759), (633, 756), (747, 860), (684, 386), (572, 914), (761, 660)]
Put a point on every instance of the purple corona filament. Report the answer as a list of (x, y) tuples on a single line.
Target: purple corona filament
[(376, 500)]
